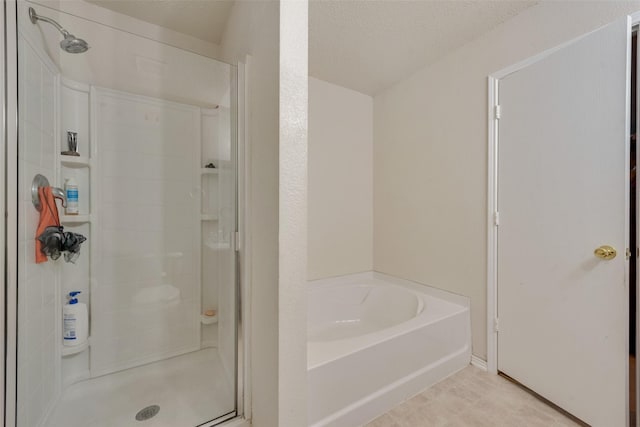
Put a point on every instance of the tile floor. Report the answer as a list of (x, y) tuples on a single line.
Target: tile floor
[(473, 398)]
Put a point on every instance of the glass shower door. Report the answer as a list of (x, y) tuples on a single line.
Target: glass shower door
[(126, 264)]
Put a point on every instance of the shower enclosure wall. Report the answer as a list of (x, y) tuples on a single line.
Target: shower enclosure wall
[(156, 175)]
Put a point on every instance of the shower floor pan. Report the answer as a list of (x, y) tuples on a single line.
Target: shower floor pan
[(190, 390)]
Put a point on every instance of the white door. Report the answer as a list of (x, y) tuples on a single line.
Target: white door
[(562, 193)]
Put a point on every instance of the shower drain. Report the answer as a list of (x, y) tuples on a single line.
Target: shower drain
[(148, 412)]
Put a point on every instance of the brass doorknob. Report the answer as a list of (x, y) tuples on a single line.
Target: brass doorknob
[(605, 252)]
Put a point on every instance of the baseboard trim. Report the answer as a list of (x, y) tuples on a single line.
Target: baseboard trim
[(478, 362)]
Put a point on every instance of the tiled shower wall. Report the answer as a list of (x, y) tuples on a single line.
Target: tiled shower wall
[(146, 286), (38, 319)]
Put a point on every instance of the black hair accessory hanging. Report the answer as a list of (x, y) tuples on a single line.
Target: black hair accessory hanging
[(55, 242)]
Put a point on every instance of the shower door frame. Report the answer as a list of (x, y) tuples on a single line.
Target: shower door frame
[(9, 174), (9, 226), (3, 144), (243, 241)]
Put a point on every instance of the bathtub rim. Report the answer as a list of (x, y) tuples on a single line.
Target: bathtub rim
[(375, 275), (336, 349)]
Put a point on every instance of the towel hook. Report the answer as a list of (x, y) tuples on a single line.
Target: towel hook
[(42, 181)]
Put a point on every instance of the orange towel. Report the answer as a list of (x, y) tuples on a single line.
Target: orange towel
[(48, 217)]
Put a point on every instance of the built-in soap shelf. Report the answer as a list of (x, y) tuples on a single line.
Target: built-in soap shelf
[(209, 320), (218, 246), (77, 162), (69, 351), (75, 219), (209, 205)]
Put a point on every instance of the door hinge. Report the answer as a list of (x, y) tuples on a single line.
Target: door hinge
[(496, 218), (498, 112), (628, 253), (496, 324)]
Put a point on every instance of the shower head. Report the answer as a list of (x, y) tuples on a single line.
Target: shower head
[(70, 43)]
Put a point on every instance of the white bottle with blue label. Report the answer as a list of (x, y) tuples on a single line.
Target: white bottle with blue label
[(71, 190), (75, 321)]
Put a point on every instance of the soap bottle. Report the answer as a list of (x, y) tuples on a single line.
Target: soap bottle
[(71, 191), (75, 321)]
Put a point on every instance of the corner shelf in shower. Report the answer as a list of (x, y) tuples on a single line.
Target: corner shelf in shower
[(209, 171), (75, 219), (208, 320), (75, 115), (217, 246), (75, 162), (208, 217), (69, 351)]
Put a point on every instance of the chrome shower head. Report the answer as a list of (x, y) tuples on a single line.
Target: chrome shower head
[(70, 43)]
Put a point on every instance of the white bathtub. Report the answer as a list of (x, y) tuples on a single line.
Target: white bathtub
[(375, 341)]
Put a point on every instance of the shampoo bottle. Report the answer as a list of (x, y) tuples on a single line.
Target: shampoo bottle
[(75, 321), (71, 191)]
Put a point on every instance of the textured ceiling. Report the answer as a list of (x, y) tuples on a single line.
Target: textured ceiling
[(203, 19), (365, 45), (368, 45)]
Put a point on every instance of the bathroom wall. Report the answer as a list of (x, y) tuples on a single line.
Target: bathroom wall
[(277, 268), (130, 62), (340, 180), (253, 29), (430, 150), (292, 268)]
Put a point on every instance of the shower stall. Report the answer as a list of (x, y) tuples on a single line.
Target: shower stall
[(136, 141)]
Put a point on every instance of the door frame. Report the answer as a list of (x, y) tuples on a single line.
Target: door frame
[(9, 174), (492, 191), (9, 233)]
